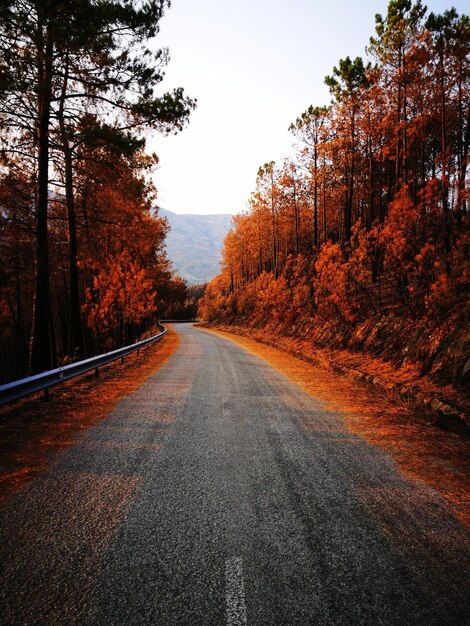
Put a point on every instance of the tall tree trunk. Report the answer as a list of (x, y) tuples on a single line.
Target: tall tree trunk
[(41, 357), (19, 317), (315, 195), (371, 214), (444, 157), (296, 218), (463, 148), (260, 247), (274, 229), (350, 192), (325, 223), (398, 135), (75, 317)]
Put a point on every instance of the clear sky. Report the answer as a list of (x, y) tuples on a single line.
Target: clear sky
[(254, 67)]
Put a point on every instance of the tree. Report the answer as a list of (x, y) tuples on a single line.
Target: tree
[(267, 194), (388, 164), (394, 47), (310, 128), (57, 54), (345, 85), (447, 41), (17, 269)]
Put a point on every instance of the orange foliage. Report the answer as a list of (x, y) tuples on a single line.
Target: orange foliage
[(121, 294), (125, 281), (331, 281), (370, 218)]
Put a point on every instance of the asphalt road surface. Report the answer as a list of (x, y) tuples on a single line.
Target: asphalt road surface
[(220, 493)]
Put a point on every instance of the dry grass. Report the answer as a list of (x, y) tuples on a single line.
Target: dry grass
[(422, 451), (32, 431)]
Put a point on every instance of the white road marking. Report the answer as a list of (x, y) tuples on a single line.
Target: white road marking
[(235, 592)]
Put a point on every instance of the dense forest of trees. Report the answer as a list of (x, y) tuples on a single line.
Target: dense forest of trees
[(370, 216), (83, 266)]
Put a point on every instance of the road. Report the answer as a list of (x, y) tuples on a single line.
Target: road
[(220, 493)]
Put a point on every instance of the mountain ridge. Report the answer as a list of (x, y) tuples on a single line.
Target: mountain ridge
[(194, 243)]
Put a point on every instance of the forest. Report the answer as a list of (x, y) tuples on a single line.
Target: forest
[(83, 264), (360, 238)]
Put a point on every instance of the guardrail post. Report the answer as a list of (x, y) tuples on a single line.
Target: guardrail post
[(122, 360), (97, 372), (46, 395)]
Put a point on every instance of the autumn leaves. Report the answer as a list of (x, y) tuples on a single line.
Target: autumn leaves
[(370, 216), (83, 264)]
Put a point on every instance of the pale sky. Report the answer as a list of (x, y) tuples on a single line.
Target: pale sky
[(254, 67)]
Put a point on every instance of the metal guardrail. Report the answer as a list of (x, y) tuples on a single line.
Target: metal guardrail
[(39, 382)]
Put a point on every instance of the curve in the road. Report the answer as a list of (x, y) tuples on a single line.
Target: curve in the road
[(203, 499)]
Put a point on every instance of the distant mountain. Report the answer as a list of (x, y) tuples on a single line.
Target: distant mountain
[(194, 244)]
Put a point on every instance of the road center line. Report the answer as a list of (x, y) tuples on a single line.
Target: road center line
[(235, 592)]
